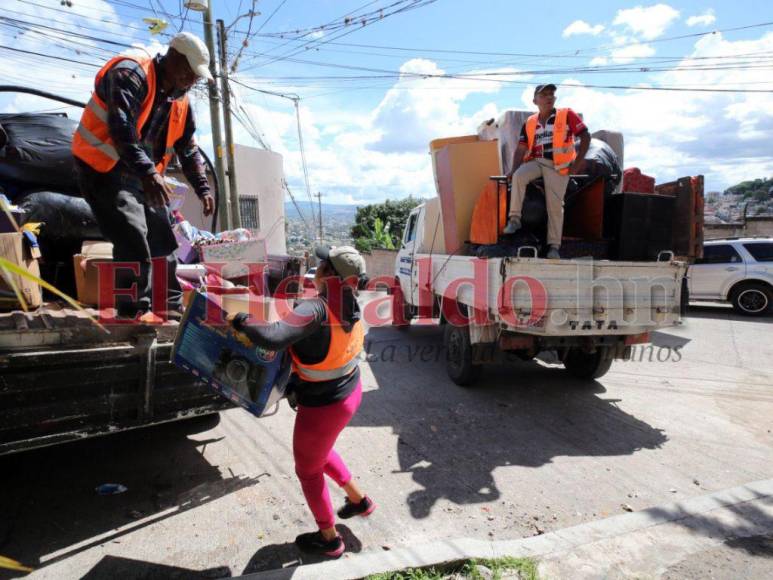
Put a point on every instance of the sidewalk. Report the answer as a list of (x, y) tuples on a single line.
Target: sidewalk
[(640, 544)]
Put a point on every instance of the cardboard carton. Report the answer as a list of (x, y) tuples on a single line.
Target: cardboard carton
[(14, 249), (250, 376), (86, 271)]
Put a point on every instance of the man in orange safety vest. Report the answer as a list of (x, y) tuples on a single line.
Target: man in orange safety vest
[(137, 120), (546, 149)]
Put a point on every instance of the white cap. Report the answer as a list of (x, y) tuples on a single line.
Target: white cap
[(195, 51)]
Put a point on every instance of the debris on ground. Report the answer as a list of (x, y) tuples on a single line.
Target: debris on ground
[(111, 489)]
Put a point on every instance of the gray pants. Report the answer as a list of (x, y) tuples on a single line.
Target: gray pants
[(555, 189), (138, 233)]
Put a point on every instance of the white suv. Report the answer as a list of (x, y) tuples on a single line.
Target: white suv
[(738, 270)]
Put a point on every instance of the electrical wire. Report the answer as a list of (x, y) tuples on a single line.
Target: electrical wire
[(303, 159), (267, 20), (366, 21)]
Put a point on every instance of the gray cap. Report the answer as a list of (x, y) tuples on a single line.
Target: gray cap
[(346, 260), (541, 88)]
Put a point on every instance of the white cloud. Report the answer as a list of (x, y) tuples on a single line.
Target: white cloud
[(631, 52), (702, 19), (582, 27), (599, 61), (724, 136), (649, 22)]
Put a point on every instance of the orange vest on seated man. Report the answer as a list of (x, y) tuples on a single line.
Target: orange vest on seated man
[(492, 201), (563, 142), (92, 143), (342, 355)]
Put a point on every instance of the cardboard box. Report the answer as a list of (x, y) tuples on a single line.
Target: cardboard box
[(86, 271), (14, 249), (252, 377), (236, 256)]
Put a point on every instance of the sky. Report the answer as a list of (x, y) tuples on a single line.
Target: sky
[(377, 80)]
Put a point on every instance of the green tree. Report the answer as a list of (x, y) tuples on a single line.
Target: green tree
[(749, 188), (391, 215)]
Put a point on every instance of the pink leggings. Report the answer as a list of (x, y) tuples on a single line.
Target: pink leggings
[(315, 433)]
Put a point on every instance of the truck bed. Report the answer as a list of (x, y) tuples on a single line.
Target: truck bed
[(62, 378), (581, 297)]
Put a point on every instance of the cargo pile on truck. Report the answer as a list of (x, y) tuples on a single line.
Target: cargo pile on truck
[(62, 376), (624, 256)]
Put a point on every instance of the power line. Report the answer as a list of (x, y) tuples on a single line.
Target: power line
[(73, 24), (54, 57), (89, 19), (303, 155), (267, 20), (414, 4), (70, 33)]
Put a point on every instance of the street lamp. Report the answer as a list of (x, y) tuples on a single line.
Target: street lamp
[(197, 5)]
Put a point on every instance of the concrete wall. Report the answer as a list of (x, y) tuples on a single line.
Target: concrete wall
[(380, 263), (754, 226)]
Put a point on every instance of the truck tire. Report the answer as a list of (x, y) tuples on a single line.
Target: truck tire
[(752, 298), (588, 366), (399, 302), (459, 356)]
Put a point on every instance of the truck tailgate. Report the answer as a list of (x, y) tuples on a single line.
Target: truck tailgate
[(569, 297)]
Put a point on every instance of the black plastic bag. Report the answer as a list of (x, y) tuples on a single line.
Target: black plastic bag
[(66, 218), (600, 161), (35, 151)]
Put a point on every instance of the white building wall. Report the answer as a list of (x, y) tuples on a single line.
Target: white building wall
[(259, 174)]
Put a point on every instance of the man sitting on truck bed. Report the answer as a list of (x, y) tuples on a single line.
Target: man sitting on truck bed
[(546, 149), (138, 118)]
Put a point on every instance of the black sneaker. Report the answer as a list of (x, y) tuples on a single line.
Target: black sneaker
[(364, 508), (314, 543)]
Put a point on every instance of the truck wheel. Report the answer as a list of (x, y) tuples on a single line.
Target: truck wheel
[(588, 366), (459, 355), (752, 299)]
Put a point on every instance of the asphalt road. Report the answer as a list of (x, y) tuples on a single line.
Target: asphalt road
[(528, 450)]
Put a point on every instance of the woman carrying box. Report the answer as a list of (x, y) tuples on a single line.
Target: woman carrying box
[(325, 337)]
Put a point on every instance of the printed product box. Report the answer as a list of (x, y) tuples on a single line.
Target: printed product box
[(249, 376)]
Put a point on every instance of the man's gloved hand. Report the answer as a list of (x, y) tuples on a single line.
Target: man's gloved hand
[(156, 190), (208, 203)]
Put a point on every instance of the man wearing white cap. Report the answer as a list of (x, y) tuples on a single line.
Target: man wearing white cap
[(137, 120)]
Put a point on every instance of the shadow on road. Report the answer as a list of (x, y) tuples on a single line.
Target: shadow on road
[(116, 567), (51, 511), (287, 556), (723, 312), (451, 439)]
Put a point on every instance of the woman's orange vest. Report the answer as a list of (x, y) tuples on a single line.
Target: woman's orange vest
[(92, 143), (563, 142), (342, 355)]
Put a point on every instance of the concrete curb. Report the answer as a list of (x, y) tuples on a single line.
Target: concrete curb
[(362, 565)]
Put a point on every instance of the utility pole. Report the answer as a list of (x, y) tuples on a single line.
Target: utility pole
[(225, 90), (224, 202), (319, 202)]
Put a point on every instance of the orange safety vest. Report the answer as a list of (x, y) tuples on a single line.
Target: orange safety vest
[(342, 355), (563, 142), (92, 143)]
